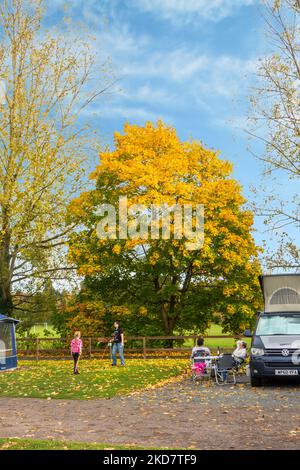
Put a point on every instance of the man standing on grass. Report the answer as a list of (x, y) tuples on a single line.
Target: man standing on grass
[(118, 344)]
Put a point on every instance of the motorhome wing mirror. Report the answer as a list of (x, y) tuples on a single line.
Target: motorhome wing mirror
[(247, 334)]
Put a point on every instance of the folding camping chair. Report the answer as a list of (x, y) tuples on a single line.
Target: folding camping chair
[(225, 370), (201, 367)]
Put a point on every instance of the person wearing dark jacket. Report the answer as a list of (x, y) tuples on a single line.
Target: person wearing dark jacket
[(118, 344)]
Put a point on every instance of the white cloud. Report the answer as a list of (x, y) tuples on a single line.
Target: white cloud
[(177, 11), (226, 76), (183, 11), (138, 57), (124, 112), (117, 38), (223, 75), (151, 94), (177, 65), (156, 76), (167, 81)]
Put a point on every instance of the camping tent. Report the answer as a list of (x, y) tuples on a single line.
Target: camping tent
[(8, 349)]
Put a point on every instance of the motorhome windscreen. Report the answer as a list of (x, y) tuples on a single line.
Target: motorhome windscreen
[(5, 340), (278, 325)]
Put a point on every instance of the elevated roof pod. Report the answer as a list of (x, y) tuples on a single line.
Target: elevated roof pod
[(281, 292)]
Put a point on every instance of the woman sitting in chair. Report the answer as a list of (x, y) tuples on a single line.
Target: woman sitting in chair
[(200, 348), (198, 352), (240, 353)]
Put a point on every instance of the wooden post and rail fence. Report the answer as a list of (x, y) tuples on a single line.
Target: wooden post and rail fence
[(135, 347)]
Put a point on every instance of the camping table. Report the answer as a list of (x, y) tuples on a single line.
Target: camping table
[(212, 358)]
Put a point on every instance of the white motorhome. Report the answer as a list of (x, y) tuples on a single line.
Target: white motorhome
[(275, 348)]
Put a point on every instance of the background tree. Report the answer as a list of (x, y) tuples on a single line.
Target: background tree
[(176, 287), (276, 118), (40, 307), (42, 146)]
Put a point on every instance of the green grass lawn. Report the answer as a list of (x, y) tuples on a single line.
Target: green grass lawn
[(34, 444), (97, 379), (39, 331), (213, 343)]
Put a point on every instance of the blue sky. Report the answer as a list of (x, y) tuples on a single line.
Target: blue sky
[(189, 62)]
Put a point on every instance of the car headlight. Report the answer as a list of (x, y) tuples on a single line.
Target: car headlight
[(257, 352)]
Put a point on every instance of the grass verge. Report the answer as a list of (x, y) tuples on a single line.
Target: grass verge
[(34, 444), (97, 379)]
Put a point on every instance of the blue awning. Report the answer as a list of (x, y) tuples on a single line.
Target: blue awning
[(8, 319)]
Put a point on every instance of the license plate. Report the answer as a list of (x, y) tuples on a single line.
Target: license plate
[(286, 372)]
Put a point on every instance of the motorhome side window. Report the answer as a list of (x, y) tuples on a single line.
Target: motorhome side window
[(278, 325)]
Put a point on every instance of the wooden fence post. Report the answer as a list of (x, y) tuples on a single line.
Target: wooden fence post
[(90, 348), (37, 344), (144, 347)]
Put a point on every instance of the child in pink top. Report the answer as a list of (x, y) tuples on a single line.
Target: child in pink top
[(76, 348)]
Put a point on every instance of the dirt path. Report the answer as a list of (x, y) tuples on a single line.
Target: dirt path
[(178, 415)]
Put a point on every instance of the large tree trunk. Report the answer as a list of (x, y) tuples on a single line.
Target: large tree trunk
[(166, 324), (169, 320), (6, 303)]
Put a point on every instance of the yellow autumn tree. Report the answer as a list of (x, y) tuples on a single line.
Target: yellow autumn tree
[(42, 147), (179, 287)]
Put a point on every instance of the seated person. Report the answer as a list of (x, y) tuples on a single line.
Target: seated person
[(199, 367), (200, 348), (240, 353)]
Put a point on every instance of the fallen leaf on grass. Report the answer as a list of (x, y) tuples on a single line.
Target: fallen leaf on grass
[(7, 445)]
